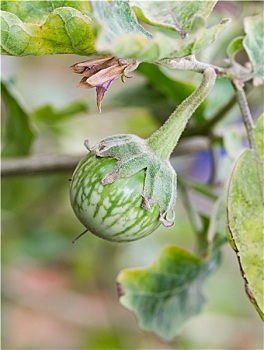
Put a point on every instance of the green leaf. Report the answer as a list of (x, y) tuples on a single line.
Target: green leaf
[(235, 46), (65, 30), (122, 36), (18, 134), (206, 36), (165, 295), (175, 15), (253, 43), (245, 218), (37, 11), (50, 115), (117, 19), (234, 141), (176, 89), (217, 227), (142, 95)]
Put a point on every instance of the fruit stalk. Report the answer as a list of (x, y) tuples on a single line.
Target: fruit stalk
[(164, 140)]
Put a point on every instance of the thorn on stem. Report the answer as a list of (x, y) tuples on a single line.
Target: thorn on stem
[(79, 236), (87, 145)]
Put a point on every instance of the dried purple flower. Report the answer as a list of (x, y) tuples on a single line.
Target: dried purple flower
[(101, 72)]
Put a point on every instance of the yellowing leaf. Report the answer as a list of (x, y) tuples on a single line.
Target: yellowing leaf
[(245, 212), (65, 30), (36, 12)]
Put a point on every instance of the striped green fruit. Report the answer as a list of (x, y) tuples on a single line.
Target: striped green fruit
[(112, 211)]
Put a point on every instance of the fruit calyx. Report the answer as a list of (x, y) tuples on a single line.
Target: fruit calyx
[(133, 155)]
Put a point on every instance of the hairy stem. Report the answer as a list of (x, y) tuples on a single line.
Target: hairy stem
[(249, 125), (191, 64), (164, 140)]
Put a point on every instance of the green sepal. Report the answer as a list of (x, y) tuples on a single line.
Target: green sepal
[(133, 155)]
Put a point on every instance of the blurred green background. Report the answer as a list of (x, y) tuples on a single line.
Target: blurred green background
[(62, 296)]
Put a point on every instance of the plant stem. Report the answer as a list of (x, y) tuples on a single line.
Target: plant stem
[(196, 221), (191, 64), (175, 20), (214, 164), (245, 111), (164, 140), (44, 164), (194, 218), (48, 164), (198, 187), (249, 125)]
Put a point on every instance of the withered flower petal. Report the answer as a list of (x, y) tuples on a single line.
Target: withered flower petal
[(100, 91), (83, 84), (101, 72), (92, 66)]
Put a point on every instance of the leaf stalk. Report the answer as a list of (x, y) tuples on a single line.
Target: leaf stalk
[(250, 126)]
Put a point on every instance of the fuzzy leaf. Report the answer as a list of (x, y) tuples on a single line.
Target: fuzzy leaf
[(122, 36), (245, 218), (18, 134), (175, 15), (253, 43), (117, 19), (65, 30), (165, 295), (37, 11)]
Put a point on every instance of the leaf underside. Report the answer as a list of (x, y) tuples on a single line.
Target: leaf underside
[(165, 295), (253, 43), (122, 36), (172, 14)]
